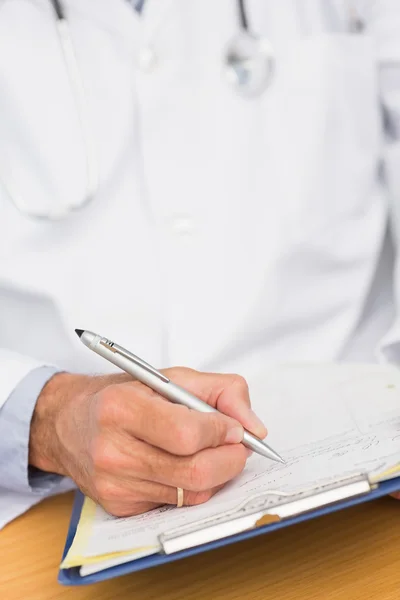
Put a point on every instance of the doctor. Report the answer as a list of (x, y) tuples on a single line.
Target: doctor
[(200, 208)]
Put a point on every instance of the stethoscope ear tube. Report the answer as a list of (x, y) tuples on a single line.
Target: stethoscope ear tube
[(58, 9), (243, 15)]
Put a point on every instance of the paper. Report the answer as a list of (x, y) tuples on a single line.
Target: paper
[(326, 421)]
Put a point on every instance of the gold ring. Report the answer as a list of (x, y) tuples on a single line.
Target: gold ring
[(179, 497)]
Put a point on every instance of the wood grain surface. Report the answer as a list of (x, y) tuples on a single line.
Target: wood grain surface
[(350, 555)]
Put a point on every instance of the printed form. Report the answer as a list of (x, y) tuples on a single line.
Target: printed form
[(327, 422)]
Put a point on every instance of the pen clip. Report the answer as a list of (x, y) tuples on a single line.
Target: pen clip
[(133, 358), (141, 363)]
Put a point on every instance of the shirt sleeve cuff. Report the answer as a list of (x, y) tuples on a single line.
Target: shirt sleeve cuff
[(15, 419)]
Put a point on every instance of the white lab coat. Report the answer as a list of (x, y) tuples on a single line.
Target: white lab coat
[(226, 232)]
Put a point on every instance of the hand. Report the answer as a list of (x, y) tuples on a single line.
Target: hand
[(129, 449)]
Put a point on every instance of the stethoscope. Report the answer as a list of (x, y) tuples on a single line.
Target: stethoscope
[(247, 65), (249, 59)]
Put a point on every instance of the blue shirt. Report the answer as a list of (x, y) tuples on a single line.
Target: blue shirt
[(15, 419)]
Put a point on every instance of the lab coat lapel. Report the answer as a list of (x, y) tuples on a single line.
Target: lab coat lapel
[(153, 17), (116, 16)]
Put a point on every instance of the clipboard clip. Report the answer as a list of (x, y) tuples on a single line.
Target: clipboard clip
[(261, 510)]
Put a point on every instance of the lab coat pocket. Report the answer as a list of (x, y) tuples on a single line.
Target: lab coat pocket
[(331, 119), (40, 135)]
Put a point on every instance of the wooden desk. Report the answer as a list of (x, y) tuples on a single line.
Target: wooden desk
[(351, 555)]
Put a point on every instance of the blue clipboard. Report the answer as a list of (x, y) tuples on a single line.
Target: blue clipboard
[(72, 576)]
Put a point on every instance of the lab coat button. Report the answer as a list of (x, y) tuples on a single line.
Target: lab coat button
[(147, 59), (182, 225)]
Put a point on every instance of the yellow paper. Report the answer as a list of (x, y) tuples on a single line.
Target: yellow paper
[(76, 554), (388, 474)]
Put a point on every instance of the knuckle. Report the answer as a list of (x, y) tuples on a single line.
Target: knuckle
[(197, 431), (217, 426), (110, 392), (128, 510), (103, 456), (107, 492), (133, 463), (179, 371), (107, 404), (240, 382), (114, 509), (186, 438), (199, 475), (195, 498), (149, 467)]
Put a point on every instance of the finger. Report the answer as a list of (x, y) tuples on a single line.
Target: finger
[(174, 428), (232, 402), (228, 393), (127, 493), (121, 508), (396, 495), (205, 470), (162, 494), (210, 468)]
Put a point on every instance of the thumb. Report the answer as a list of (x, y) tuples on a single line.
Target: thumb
[(234, 401)]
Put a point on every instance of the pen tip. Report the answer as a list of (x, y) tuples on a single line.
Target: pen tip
[(79, 332), (278, 458)]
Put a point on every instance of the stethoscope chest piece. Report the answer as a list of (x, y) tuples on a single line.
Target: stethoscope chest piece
[(249, 64)]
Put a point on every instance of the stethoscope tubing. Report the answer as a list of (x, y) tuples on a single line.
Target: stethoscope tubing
[(80, 100)]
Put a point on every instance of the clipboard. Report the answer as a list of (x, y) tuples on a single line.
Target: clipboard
[(258, 515)]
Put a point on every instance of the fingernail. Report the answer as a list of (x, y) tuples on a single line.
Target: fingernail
[(249, 452), (234, 435), (257, 426)]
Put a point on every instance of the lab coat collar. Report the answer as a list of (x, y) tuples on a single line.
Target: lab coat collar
[(119, 16)]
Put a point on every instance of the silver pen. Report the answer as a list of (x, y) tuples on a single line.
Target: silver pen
[(158, 382)]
